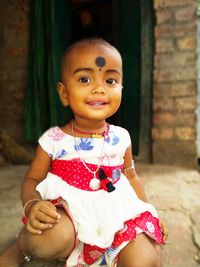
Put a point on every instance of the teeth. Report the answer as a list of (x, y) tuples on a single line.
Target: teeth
[(96, 103)]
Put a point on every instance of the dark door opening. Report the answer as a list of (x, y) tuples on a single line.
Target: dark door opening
[(118, 23), (91, 19), (55, 25)]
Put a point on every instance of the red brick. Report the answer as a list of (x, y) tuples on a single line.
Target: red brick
[(164, 45), (187, 43), (19, 75), (186, 103), (185, 58), (17, 26), (162, 133), (21, 36), (166, 118), (185, 13), (19, 97), (163, 31), (186, 118), (176, 59), (17, 51), (163, 104), (163, 75), (175, 152), (163, 16), (175, 89), (183, 29), (185, 133), (175, 74), (185, 74), (14, 88), (20, 62), (171, 3)]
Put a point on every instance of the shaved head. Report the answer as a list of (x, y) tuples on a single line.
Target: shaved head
[(88, 43)]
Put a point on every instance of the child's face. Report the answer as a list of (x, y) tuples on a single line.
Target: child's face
[(92, 82)]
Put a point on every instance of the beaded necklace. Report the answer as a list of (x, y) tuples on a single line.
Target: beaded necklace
[(93, 135), (95, 182)]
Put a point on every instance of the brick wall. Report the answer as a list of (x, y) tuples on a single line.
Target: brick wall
[(174, 86), (14, 37), (175, 82)]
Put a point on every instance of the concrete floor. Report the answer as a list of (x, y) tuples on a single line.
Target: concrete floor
[(174, 191)]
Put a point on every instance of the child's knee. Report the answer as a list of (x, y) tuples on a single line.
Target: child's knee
[(152, 259), (144, 260), (49, 248), (141, 252), (150, 256), (53, 243)]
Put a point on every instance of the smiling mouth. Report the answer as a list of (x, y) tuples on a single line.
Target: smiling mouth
[(96, 103)]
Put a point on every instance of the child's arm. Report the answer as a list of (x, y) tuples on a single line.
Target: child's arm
[(132, 176), (41, 214), (137, 184), (36, 173)]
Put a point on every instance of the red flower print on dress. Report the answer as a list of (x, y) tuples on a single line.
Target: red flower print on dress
[(146, 222), (126, 234), (92, 253), (150, 225)]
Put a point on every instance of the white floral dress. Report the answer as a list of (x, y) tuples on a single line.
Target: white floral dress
[(104, 221)]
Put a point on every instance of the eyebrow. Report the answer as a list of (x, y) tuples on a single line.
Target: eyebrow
[(113, 71), (82, 69), (91, 70)]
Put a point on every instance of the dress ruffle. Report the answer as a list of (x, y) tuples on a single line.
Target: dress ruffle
[(105, 220), (98, 214)]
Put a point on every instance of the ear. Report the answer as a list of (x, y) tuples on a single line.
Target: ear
[(62, 92)]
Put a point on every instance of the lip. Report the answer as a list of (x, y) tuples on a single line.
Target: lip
[(96, 103)]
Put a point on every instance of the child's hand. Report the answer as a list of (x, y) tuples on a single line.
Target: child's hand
[(42, 216), (165, 230)]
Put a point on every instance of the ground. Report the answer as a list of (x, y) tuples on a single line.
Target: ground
[(173, 190)]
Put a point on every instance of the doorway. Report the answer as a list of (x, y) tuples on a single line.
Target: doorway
[(55, 25), (118, 22)]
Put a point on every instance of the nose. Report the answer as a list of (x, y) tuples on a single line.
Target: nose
[(98, 90)]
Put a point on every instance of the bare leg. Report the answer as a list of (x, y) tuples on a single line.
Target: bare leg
[(141, 252), (12, 256), (61, 235)]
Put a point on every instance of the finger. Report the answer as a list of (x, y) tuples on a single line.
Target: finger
[(161, 224), (50, 211), (46, 218), (48, 203), (47, 208), (164, 229), (40, 226), (165, 234), (32, 230)]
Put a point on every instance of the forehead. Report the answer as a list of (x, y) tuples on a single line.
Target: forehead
[(90, 54)]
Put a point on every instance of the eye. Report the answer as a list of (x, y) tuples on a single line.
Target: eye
[(111, 81), (84, 79)]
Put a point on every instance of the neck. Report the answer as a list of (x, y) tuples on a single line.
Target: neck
[(95, 133), (89, 125)]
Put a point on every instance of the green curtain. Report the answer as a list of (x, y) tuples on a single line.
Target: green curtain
[(49, 36), (147, 44), (126, 27)]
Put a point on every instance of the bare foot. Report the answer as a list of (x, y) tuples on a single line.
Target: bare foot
[(12, 257)]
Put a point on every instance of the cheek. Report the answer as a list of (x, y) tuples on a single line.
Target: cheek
[(76, 99), (117, 94), (75, 94)]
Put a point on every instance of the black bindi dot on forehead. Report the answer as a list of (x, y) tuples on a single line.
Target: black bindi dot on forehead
[(100, 62)]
